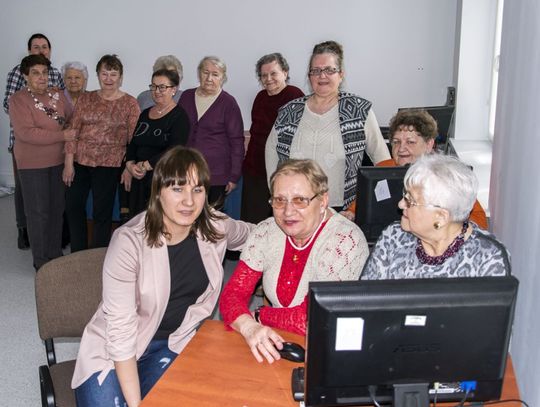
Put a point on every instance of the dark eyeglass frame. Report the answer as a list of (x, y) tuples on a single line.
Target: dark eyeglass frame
[(328, 71), (161, 88), (298, 202)]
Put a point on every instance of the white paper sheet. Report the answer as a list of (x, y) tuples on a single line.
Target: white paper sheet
[(349, 333)]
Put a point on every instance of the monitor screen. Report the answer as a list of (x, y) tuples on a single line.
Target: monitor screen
[(378, 191), (446, 334)]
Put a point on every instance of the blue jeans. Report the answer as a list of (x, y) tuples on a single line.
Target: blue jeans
[(152, 364)]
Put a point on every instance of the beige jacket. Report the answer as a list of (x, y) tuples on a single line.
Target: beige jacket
[(136, 288)]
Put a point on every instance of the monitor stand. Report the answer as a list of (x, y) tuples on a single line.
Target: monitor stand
[(297, 384), (411, 395)]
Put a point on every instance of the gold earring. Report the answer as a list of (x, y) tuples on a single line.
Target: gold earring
[(437, 225)]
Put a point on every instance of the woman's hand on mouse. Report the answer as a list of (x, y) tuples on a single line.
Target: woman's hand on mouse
[(263, 341)]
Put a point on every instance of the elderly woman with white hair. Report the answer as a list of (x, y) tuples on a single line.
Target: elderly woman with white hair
[(435, 238), (216, 127), (75, 76), (170, 63)]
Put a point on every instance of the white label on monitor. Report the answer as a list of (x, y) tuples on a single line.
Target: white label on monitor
[(415, 320), (349, 333), (382, 191)]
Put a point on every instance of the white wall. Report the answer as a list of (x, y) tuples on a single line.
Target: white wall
[(475, 60), (396, 53), (515, 186)]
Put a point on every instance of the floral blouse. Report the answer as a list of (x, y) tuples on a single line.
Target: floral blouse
[(104, 127)]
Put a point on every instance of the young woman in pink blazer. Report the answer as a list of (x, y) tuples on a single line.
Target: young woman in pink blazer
[(162, 276)]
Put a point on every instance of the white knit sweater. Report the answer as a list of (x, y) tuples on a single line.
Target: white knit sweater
[(339, 253)]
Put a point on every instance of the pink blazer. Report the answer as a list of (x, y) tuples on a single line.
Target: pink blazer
[(136, 288)]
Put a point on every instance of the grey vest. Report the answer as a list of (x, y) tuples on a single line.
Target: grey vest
[(353, 112)]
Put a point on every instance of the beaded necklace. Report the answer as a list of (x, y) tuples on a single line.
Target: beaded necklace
[(449, 252), (49, 111)]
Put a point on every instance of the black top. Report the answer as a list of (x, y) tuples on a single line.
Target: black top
[(152, 137), (188, 281)]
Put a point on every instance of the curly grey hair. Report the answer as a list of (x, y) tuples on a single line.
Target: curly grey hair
[(269, 58)]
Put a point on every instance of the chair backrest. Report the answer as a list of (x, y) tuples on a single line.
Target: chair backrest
[(68, 292)]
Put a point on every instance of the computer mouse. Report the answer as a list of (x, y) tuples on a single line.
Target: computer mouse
[(293, 352)]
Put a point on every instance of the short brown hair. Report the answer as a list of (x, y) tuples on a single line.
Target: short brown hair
[(32, 60), (111, 63), (175, 168), (310, 169), (35, 37), (420, 120)]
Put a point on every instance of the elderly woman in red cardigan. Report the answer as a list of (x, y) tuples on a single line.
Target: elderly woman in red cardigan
[(273, 73), (304, 241)]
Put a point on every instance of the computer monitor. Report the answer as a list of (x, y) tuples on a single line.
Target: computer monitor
[(378, 191), (390, 335)]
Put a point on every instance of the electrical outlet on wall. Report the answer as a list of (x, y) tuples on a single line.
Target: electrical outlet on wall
[(451, 96)]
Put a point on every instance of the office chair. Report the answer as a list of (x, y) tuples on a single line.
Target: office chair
[(68, 292)]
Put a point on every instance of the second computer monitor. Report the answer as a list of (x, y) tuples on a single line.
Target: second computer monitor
[(379, 189)]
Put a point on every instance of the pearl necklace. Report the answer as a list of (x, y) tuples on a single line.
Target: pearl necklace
[(49, 111), (165, 109), (449, 252), (310, 239)]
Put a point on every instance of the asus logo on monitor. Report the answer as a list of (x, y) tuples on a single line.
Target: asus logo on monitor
[(418, 348)]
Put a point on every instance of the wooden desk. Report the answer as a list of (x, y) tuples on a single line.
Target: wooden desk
[(218, 369)]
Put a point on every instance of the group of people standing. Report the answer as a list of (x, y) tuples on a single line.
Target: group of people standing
[(109, 139), (92, 140), (179, 157)]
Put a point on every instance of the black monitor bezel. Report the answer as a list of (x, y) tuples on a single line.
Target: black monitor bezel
[(499, 293), (373, 216)]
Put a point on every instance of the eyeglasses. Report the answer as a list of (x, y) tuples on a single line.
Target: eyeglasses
[(162, 88), (409, 203), (328, 71), (298, 202)]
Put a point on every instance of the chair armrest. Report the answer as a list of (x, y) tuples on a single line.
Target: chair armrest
[(49, 349), (47, 388)]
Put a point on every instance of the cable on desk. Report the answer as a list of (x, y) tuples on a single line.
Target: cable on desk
[(464, 399), (485, 403), (436, 388), (372, 390)]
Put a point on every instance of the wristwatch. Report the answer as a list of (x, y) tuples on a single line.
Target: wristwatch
[(257, 313)]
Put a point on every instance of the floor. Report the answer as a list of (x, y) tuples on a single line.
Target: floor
[(21, 348), (22, 351)]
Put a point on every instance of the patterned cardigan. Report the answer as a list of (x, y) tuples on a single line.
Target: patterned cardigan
[(338, 253), (353, 112)]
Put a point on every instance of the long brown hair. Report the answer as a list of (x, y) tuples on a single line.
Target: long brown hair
[(176, 167)]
